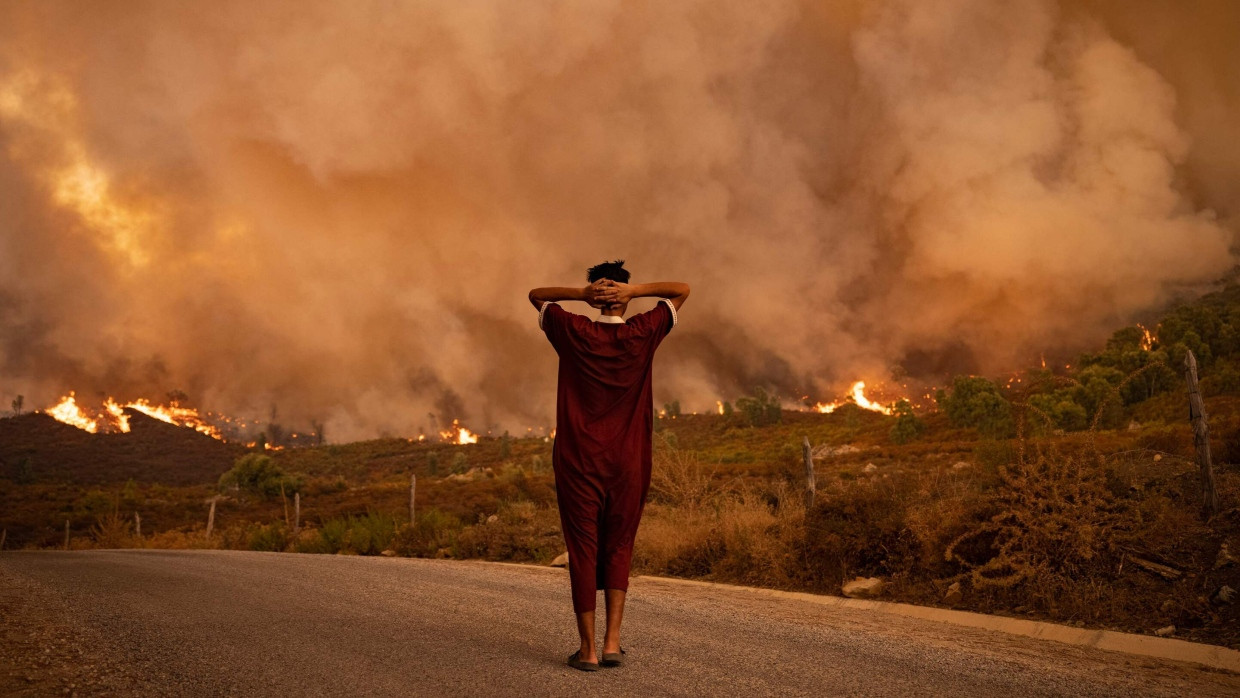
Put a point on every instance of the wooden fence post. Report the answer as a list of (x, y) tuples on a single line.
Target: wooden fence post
[(296, 512), (808, 454), (1201, 436), (3, 534), (413, 488), (211, 518), (66, 534), (137, 524)]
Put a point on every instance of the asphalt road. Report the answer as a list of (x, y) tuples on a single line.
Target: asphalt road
[(239, 623)]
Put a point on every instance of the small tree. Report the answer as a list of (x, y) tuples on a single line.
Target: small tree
[(505, 446), (907, 426), (258, 474), (17, 404), (976, 402), (760, 409), (459, 463), (671, 409)]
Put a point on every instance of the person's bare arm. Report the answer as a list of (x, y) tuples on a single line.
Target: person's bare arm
[(616, 292), (550, 294)]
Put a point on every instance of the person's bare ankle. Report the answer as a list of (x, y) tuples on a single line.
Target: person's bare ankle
[(588, 653)]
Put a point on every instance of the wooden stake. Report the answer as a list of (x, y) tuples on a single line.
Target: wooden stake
[(137, 524), (211, 519), (284, 498), (413, 488), (3, 534), (66, 534), (1201, 437), (296, 512), (808, 454)]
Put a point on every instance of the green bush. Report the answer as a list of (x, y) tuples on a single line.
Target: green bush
[(976, 402), (907, 426), (369, 534), (271, 538), (760, 409), (258, 474)]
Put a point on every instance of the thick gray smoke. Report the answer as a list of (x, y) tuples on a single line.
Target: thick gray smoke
[(337, 208)]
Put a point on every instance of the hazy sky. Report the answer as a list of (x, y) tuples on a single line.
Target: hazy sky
[(338, 208)]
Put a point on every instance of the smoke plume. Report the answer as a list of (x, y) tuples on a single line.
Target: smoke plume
[(337, 208)]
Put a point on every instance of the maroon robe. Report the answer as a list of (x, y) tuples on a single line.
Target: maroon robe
[(604, 423)]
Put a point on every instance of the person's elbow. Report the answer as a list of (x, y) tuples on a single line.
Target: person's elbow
[(533, 296)]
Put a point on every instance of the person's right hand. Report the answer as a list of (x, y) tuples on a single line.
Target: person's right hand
[(616, 292)]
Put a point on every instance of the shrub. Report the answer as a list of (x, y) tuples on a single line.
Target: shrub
[(368, 534), (521, 532), (907, 426), (258, 474), (761, 409), (859, 529), (976, 402), (434, 531), (269, 538), (1056, 520)]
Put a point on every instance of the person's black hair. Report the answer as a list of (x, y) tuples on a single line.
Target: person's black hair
[(608, 270)]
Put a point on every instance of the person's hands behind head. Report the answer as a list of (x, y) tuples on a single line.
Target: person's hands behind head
[(593, 294), (615, 292)]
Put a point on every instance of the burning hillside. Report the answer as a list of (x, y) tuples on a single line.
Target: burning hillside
[(857, 189), (36, 447)]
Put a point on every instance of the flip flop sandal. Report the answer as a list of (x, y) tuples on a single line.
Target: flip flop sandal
[(574, 660), (613, 658)]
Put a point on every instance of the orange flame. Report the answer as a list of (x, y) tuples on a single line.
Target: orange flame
[(1147, 338), (180, 416), (459, 434), (859, 398), (67, 411), (113, 417)]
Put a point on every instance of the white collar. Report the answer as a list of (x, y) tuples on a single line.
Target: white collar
[(610, 319)]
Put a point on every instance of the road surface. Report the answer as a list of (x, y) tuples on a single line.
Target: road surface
[(147, 622)]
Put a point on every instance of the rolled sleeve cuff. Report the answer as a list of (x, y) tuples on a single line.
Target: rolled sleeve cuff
[(671, 307), (543, 311)]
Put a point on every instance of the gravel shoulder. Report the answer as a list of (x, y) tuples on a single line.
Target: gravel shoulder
[(239, 623)]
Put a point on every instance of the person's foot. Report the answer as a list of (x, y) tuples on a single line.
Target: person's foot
[(577, 661), (612, 659)]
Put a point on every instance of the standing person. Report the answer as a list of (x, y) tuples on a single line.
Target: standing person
[(604, 423)]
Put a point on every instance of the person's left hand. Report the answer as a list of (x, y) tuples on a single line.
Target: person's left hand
[(593, 295)]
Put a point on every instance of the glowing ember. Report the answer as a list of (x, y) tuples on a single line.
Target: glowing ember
[(459, 434), (67, 411), (719, 406), (858, 397)]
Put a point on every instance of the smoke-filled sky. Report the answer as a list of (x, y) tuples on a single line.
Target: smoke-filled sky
[(337, 208)]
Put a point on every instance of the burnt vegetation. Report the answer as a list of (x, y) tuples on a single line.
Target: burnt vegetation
[(1070, 495)]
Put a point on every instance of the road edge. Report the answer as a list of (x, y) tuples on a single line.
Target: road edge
[(1211, 656)]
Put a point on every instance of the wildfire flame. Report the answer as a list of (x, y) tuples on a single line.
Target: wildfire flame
[(858, 397), (1147, 338), (459, 434), (113, 417), (719, 406), (67, 411), (180, 416)]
